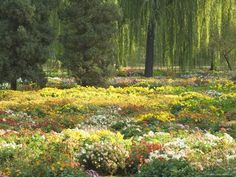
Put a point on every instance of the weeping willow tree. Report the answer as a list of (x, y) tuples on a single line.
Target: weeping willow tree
[(141, 17), (176, 34)]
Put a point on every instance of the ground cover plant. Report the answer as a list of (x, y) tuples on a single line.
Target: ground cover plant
[(155, 126)]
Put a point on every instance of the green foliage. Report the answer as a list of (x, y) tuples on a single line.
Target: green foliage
[(45, 171), (219, 171), (25, 35), (7, 153), (88, 29), (188, 34), (170, 168)]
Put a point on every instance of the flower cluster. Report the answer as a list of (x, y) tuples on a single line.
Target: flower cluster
[(139, 153), (104, 157), (201, 149)]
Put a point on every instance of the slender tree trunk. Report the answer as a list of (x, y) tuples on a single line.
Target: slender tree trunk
[(212, 68), (227, 61), (14, 84), (150, 50)]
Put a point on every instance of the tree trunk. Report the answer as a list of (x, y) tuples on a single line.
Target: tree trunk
[(14, 84), (150, 50), (212, 68), (227, 61)]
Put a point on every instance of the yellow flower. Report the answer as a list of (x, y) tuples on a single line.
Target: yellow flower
[(161, 116)]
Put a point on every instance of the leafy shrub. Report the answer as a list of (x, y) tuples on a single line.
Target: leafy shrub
[(170, 168), (7, 151), (72, 173), (139, 152), (104, 157), (128, 129), (228, 170), (101, 150), (45, 171)]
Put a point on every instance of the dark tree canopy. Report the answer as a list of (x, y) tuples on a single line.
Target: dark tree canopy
[(88, 31), (25, 35)]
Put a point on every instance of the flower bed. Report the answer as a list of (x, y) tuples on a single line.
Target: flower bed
[(174, 127)]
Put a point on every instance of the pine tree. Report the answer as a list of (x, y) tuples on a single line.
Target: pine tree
[(25, 35), (88, 29)]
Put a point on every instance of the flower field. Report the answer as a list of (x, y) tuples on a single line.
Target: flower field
[(137, 127)]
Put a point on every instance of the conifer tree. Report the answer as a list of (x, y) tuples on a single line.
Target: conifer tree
[(25, 35)]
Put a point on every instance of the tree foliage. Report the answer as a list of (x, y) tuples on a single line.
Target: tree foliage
[(184, 31), (87, 37), (25, 35)]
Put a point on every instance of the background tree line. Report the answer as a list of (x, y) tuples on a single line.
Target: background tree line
[(89, 39)]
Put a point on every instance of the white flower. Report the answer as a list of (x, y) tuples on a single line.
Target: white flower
[(10, 145), (83, 151), (178, 143), (231, 157), (151, 133), (228, 138), (210, 137), (162, 134), (139, 138)]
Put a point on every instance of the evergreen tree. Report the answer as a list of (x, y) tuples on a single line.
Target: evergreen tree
[(88, 29), (25, 35)]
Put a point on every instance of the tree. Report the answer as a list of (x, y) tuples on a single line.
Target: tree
[(149, 62), (179, 33), (143, 15), (225, 44), (25, 35), (88, 29)]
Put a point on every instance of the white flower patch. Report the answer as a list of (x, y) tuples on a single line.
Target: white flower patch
[(10, 146), (103, 119), (228, 138), (157, 155), (177, 144), (209, 137), (231, 157)]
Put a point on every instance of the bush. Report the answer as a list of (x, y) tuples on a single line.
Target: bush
[(104, 157), (140, 152), (128, 129), (45, 171), (170, 168), (101, 150), (228, 171), (7, 151)]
